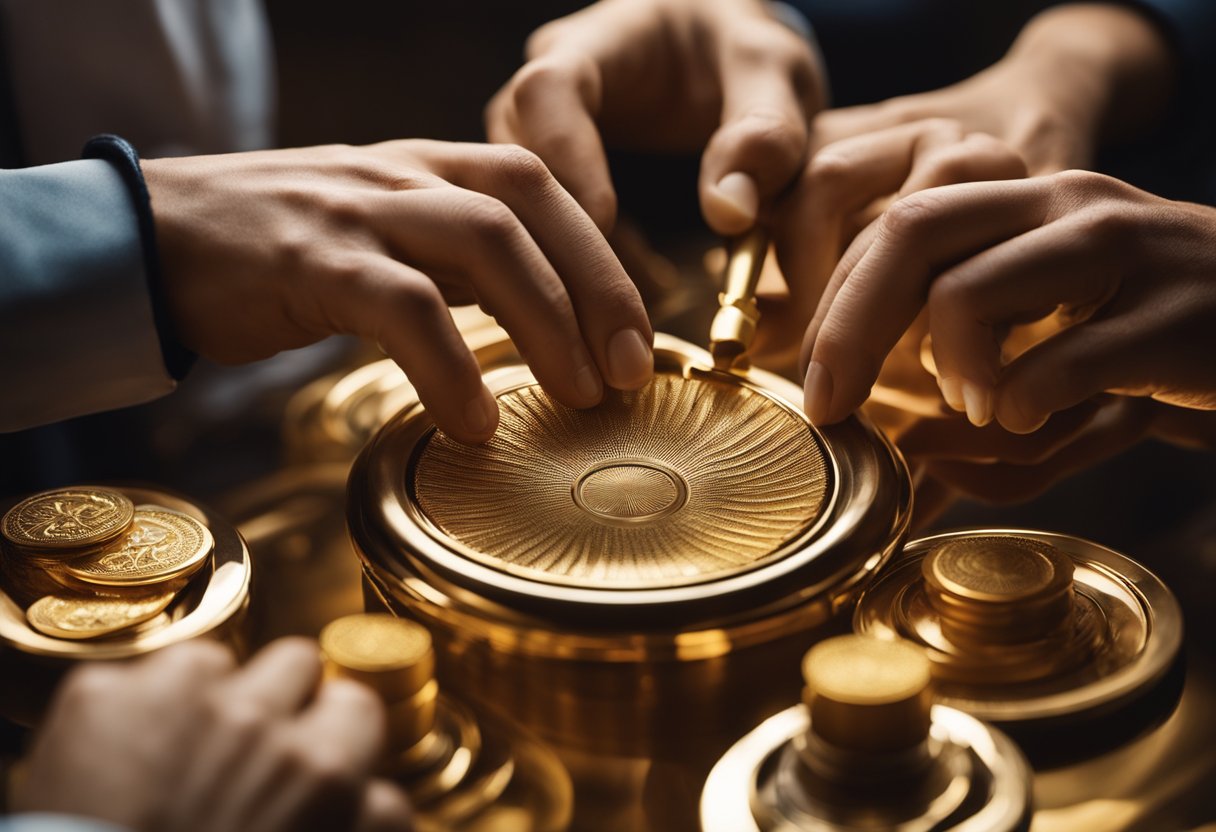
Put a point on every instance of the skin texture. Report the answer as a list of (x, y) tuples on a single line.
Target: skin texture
[(278, 249), (184, 741), (717, 77), (1134, 274)]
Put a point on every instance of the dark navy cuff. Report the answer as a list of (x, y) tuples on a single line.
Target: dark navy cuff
[(119, 152)]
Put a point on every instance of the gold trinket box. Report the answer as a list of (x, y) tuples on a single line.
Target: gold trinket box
[(1068, 645), (622, 580)]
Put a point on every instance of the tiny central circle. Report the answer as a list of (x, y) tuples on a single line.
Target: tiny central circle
[(625, 492)]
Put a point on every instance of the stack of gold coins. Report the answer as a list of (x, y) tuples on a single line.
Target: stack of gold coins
[(395, 658), (100, 564)]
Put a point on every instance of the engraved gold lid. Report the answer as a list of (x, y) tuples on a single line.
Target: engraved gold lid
[(1033, 630), (702, 500)]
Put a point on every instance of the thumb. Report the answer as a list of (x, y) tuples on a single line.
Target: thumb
[(770, 90)]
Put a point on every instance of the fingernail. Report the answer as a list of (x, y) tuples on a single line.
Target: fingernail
[(952, 392), (588, 383), (978, 404), (738, 193), (630, 361), (817, 393), (480, 413)]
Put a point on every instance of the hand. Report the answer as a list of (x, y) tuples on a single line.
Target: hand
[(182, 741), (1077, 74), (843, 188), (1135, 275), (721, 76), (277, 249)]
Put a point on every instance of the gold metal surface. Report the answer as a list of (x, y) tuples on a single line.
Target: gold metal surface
[(734, 325), (161, 545), (212, 602), (83, 617), (867, 695), (684, 481), (68, 519), (391, 655), (969, 776), (1013, 663)]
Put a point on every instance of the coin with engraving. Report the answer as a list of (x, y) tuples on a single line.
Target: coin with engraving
[(160, 546), (58, 522), (81, 616)]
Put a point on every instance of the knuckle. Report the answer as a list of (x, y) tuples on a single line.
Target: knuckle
[(537, 79), (942, 128), (488, 219), (93, 682), (830, 172), (908, 217), (240, 719), (520, 167), (765, 134)]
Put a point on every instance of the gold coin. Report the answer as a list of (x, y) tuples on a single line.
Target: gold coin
[(997, 569), (56, 522), (391, 655), (160, 546), (79, 617)]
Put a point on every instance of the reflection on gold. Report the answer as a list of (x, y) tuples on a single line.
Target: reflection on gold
[(634, 493)]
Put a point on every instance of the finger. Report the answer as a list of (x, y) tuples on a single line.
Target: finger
[(187, 666), (347, 719), (385, 809), (972, 305), (455, 229), (769, 94), (840, 180), (1119, 424), (403, 311), (880, 297), (1069, 367), (610, 312), (958, 440), (549, 107), (977, 157), (280, 678)]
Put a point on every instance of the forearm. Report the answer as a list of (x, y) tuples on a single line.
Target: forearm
[(1107, 66)]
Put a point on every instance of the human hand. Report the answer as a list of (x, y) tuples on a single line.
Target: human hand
[(182, 741), (721, 76), (1076, 75), (1134, 273), (843, 188), (277, 249)]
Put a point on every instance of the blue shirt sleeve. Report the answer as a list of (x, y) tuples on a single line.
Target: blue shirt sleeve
[(77, 330), (41, 822)]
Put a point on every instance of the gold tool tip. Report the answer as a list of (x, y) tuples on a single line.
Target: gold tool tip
[(868, 694)]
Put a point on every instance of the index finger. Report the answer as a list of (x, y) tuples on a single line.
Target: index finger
[(888, 285)]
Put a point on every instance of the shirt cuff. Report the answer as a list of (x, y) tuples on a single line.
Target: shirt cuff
[(77, 331), (43, 822)]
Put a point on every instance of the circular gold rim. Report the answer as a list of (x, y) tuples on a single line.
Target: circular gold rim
[(1158, 607), (854, 535), (507, 380), (225, 594), (58, 547), (727, 798), (185, 568)]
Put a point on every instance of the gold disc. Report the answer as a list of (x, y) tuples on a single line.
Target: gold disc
[(999, 569), (391, 655), (160, 546), (683, 481), (57, 522), (80, 617)]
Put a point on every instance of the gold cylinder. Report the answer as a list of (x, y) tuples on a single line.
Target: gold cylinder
[(866, 694), (390, 655)]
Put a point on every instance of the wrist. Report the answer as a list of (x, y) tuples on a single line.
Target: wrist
[(1105, 67)]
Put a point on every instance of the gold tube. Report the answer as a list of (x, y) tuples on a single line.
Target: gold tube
[(734, 324)]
